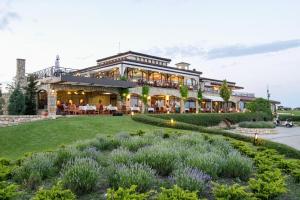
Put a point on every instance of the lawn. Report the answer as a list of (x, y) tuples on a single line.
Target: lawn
[(289, 112), (49, 134)]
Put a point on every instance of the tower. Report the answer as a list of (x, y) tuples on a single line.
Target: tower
[(20, 73), (57, 64)]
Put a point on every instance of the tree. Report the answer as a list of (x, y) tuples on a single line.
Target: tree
[(16, 102), (259, 105), (30, 96), (145, 94), (1, 102), (225, 92), (200, 97), (123, 91), (184, 92)]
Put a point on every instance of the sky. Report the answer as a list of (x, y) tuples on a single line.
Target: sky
[(253, 43)]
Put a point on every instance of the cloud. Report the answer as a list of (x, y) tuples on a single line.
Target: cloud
[(6, 16), (225, 51)]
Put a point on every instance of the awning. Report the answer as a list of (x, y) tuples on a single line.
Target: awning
[(213, 98)]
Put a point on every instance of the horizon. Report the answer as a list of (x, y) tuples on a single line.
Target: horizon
[(256, 45)]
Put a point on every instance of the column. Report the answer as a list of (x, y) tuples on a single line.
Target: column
[(182, 108), (197, 106), (52, 98)]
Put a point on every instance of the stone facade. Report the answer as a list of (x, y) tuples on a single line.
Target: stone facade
[(20, 73)]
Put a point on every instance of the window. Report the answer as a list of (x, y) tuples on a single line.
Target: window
[(134, 101)]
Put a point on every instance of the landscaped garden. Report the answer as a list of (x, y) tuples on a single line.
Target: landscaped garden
[(146, 157)]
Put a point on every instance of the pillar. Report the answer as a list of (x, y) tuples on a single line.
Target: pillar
[(197, 106), (143, 107), (52, 98), (182, 108)]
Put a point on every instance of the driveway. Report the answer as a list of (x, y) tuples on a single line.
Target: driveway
[(288, 136)]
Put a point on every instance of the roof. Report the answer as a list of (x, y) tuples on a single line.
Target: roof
[(182, 63), (210, 79), (135, 53), (134, 61), (105, 82)]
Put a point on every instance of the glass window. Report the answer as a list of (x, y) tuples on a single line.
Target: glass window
[(134, 101)]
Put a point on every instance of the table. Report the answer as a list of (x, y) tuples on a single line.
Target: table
[(87, 108), (150, 109), (135, 108)]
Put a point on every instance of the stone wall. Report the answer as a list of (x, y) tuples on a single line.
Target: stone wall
[(11, 120)]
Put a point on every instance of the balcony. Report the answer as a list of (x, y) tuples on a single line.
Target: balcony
[(243, 94), (52, 72), (164, 84)]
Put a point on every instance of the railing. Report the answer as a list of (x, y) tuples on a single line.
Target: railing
[(164, 84), (212, 91), (52, 72)]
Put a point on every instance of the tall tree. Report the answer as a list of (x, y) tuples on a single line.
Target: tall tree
[(200, 97), (16, 102), (184, 92), (30, 96), (225, 93), (1, 102), (123, 92)]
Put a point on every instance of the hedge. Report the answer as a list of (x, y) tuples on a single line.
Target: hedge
[(281, 148), (295, 118), (213, 119)]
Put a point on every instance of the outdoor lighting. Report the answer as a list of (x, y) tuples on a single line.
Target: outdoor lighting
[(172, 121), (149, 97), (82, 93), (106, 93), (168, 112), (132, 113), (69, 92), (75, 92), (255, 138)]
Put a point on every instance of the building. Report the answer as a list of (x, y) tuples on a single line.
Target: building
[(100, 84)]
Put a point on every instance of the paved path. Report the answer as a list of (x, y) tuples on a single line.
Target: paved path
[(288, 136)]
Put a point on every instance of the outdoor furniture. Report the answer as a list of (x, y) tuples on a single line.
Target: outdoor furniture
[(135, 109), (87, 109), (150, 109)]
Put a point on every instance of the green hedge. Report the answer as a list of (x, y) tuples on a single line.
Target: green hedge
[(281, 148), (213, 119), (258, 124), (295, 118)]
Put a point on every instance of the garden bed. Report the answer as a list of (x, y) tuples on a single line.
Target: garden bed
[(153, 165)]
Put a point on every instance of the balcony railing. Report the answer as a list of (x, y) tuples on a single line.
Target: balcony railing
[(243, 94), (164, 84), (52, 72)]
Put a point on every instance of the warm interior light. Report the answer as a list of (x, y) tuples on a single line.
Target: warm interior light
[(75, 92), (172, 121), (106, 93), (82, 93), (69, 92)]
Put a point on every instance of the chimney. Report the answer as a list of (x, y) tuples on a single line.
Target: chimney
[(20, 74)]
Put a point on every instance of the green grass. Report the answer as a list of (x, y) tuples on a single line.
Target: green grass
[(258, 124), (49, 134)]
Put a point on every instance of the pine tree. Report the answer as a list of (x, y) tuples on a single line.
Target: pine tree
[(225, 92), (30, 97), (16, 103)]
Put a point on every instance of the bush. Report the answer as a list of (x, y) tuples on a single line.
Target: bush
[(213, 119), (234, 192), (105, 143), (258, 124), (65, 154), (81, 175), (55, 193), (133, 174), (191, 179), (8, 191), (35, 168), (237, 165), (210, 163), (5, 169), (134, 143), (120, 156), (126, 194), (158, 157), (176, 193), (295, 118), (269, 184)]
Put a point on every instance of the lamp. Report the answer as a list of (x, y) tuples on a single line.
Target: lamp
[(172, 121), (255, 138), (131, 114)]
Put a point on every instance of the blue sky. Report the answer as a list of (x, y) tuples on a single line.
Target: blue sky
[(254, 43)]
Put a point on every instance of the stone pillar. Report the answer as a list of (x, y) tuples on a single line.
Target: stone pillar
[(20, 73), (52, 98), (197, 106), (182, 108)]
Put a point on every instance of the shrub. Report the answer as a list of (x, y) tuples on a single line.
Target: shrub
[(65, 154), (176, 193), (105, 143), (126, 194), (295, 118), (36, 167), (120, 156), (268, 185), (158, 157), (81, 175), (259, 124), (210, 163), (133, 174), (191, 179), (8, 191), (234, 192), (237, 166), (134, 143), (55, 193), (5, 169)]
